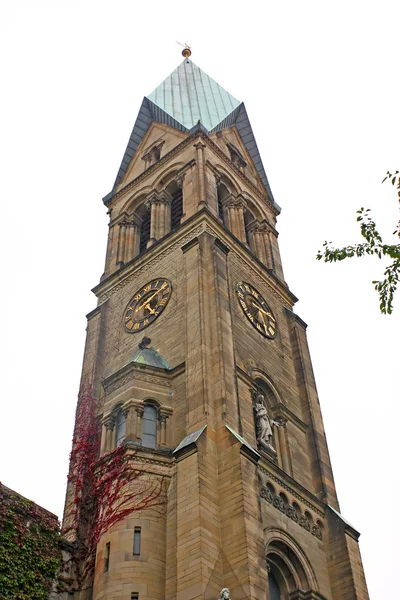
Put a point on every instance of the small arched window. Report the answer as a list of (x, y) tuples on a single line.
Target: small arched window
[(149, 431), (120, 428)]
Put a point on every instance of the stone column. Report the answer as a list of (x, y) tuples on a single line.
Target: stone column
[(121, 242), (234, 208), (161, 219), (240, 206), (103, 444), (109, 424), (136, 235), (228, 205), (200, 172), (147, 160), (284, 447), (139, 412), (164, 215), (163, 425), (152, 206), (258, 232), (130, 237)]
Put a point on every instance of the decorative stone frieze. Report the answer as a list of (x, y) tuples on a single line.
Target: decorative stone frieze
[(290, 511)]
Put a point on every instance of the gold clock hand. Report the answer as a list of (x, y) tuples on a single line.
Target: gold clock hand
[(146, 301), (151, 310), (263, 320), (262, 311)]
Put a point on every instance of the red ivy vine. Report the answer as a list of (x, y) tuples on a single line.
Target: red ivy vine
[(105, 490)]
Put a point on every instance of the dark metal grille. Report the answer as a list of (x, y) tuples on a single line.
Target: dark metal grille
[(176, 209), (220, 209), (144, 232)]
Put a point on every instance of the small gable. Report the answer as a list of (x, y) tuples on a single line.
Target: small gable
[(156, 143)]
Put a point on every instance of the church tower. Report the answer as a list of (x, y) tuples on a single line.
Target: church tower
[(199, 458)]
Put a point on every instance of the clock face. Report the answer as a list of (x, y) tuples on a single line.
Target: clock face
[(256, 309), (146, 305)]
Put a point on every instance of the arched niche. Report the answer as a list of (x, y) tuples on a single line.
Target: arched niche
[(267, 387)]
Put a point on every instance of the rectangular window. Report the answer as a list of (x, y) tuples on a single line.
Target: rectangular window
[(107, 557), (134, 596), (136, 541)]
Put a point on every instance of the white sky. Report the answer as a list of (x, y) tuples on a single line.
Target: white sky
[(320, 81)]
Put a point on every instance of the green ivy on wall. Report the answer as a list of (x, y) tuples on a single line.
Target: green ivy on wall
[(30, 554)]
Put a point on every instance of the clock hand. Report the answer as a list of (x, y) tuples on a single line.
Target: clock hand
[(146, 301), (151, 310), (262, 311), (262, 318)]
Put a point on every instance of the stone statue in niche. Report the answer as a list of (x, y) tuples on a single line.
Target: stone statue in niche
[(264, 422), (225, 594)]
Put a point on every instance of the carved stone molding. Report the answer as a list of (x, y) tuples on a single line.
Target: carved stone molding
[(291, 491), (109, 422), (290, 512), (151, 264)]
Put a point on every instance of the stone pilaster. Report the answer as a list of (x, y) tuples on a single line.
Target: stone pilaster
[(259, 242), (234, 207), (200, 173)]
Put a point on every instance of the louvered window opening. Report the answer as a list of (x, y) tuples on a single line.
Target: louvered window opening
[(176, 210), (220, 209), (144, 232)]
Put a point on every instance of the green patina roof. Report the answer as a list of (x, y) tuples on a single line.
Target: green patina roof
[(189, 95), (150, 356)]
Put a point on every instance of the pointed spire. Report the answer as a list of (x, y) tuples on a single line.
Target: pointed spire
[(189, 95)]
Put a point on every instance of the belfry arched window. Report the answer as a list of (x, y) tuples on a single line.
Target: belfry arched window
[(120, 427), (144, 215), (149, 426), (248, 220), (222, 192), (176, 204)]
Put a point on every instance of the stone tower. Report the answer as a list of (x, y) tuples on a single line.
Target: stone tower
[(199, 459)]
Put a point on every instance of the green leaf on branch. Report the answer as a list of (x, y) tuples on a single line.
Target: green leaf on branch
[(372, 246)]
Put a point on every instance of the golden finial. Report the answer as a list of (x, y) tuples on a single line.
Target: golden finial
[(186, 52)]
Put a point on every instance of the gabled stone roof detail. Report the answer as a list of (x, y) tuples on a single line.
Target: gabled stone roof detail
[(189, 96)]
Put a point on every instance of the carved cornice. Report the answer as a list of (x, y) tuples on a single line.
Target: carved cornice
[(232, 201), (135, 371), (260, 227), (290, 512), (294, 488)]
